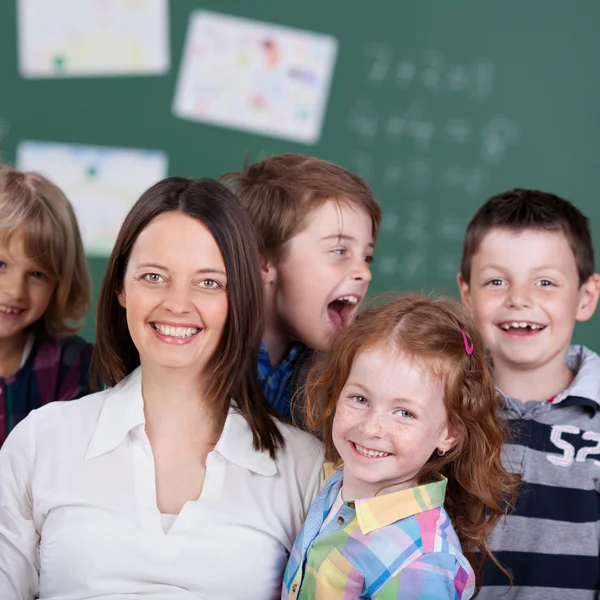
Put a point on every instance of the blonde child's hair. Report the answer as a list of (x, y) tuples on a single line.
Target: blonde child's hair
[(32, 204)]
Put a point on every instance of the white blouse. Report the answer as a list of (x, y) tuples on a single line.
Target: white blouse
[(78, 513)]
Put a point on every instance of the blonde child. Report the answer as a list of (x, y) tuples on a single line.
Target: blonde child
[(44, 294), (407, 402)]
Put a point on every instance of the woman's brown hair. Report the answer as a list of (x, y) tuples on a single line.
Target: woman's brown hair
[(430, 332), (31, 203), (233, 366)]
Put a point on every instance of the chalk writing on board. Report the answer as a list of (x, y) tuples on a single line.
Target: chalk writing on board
[(498, 135), (380, 60), (405, 72), (459, 130), (430, 70), (415, 227), (364, 121), (435, 140), (413, 123), (419, 176), (417, 230), (467, 179)]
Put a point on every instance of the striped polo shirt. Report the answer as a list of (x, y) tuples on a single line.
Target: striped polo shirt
[(551, 542)]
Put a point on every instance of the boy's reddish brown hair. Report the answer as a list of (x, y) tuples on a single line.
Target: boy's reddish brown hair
[(429, 332), (281, 191)]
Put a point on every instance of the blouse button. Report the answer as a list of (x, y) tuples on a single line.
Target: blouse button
[(294, 588), (341, 520)]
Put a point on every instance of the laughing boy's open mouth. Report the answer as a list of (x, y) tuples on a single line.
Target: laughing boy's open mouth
[(342, 309)]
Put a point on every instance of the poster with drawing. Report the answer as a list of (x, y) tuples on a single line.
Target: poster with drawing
[(102, 183), (255, 76), (79, 38)]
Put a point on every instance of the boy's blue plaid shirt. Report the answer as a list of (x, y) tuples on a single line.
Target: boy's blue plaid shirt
[(277, 381)]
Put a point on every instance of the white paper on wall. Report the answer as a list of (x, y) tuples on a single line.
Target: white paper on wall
[(70, 38), (102, 183), (255, 76)]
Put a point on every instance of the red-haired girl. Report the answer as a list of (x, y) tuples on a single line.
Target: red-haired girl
[(407, 406)]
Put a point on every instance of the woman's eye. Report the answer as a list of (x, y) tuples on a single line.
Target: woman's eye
[(340, 251), (210, 284), (38, 275), (152, 277), (495, 282), (546, 283)]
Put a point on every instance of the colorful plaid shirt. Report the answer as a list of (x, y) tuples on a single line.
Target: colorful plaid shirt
[(54, 370), (399, 546), (277, 381)]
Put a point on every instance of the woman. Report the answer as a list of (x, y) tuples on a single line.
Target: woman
[(176, 481)]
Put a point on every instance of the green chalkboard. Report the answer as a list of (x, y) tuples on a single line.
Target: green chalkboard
[(437, 104)]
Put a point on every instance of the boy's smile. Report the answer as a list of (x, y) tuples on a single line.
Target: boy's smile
[(525, 296), (316, 289)]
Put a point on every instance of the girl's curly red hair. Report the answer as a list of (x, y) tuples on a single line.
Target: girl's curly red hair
[(430, 331)]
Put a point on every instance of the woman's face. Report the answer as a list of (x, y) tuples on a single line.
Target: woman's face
[(175, 293)]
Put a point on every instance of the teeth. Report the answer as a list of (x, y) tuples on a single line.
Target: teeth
[(178, 332), (371, 453), (8, 310), (349, 299), (521, 325)]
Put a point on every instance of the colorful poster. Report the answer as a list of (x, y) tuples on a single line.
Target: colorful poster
[(255, 76), (101, 183), (78, 38)]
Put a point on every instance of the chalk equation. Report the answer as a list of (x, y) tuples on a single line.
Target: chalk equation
[(425, 130), (430, 70), (414, 125)]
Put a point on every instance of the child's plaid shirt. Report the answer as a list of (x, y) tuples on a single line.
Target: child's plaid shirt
[(395, 546)]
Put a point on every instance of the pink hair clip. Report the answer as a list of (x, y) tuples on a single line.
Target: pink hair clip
[(469, 346)]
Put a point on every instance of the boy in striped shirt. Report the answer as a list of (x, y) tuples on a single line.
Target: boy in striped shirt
[(527, 274)]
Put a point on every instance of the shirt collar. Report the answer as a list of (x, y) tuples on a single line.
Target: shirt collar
[(123, 410), (381, 511), (287, 362), (236, 445), (585, 387)]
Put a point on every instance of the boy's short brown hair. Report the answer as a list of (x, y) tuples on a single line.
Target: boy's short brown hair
[(521, 209), (52, 240), (280, 192)]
